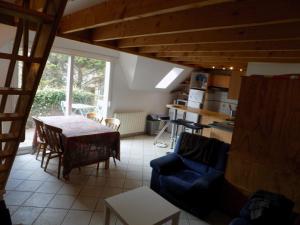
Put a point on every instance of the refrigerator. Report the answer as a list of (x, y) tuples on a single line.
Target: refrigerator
[(195, 100)]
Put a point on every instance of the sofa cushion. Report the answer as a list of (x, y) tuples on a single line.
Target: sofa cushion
[(179, 183), (196, 166)]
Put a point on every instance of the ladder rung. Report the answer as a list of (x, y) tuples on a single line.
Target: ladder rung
[(13, 91), (20, 58), (10, 116), (8, 137), (11, 9)]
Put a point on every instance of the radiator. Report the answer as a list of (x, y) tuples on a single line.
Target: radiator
[(131, 122)]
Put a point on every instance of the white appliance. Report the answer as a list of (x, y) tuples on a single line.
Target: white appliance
[(195, 100)]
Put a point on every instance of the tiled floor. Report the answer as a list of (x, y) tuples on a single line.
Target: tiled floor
[(36, 197)]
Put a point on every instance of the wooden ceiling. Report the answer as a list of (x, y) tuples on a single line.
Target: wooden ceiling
[(198, 33)]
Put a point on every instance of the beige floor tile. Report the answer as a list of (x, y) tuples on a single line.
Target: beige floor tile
[(12, 184), (16, 197), (26, 215), (12, 209), (98, 219), (39, 175), (39, 200), (137, 175), (70, 189), (131, 183), (50, 187), (62, 202), (85, 203), (75, 217), (28, 185), (21, 174), (51, 217), (115, 182), (91, 191), (110, 191), (96, 181), (100, 205)]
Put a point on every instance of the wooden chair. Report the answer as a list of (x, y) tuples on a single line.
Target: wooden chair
[(54, 139), (41, 139), (94, 116), (113, 123)]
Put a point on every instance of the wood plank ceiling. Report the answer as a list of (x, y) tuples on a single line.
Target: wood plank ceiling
[(198, 33)]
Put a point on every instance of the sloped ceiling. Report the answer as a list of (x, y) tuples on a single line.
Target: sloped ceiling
[(144, 74)]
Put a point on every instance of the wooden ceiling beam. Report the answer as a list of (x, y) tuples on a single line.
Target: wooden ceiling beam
[(254, 54), (237, 60), (11, 9), (214, 17), (115, 11), (291, 45), (282, 31), (217, 65)]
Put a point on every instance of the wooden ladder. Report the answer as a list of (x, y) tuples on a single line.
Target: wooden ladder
[(44, 21)]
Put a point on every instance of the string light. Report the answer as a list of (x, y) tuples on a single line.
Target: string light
[(213, 67), (231, 68), (241, 70), (223, 68)]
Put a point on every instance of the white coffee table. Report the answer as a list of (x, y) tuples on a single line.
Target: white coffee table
[(141, 206)]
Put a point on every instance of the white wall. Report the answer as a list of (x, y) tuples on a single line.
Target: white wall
[(124, 99), (272, 68), (135, 94)]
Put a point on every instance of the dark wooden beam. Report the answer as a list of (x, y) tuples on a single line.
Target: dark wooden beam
[(291, 45), (214, 17), (237, 60), (282, 31), (115, 11), (253, 54), (15, 10)]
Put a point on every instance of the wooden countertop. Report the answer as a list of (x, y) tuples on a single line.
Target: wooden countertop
[(202, 112)]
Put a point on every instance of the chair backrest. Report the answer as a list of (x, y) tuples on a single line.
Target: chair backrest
[(40, 129), (113, 123), (218, 149), (54, 138), (94, 116)]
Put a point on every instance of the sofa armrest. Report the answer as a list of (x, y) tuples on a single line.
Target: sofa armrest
[(167, 163), (208, 180)]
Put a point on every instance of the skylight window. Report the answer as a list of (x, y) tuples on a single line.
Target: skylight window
[(169, 78)]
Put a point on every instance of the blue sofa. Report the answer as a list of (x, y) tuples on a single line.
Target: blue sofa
[(264, 208), (192, 176)]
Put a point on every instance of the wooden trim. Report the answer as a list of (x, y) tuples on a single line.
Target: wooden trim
[(237, 59), (230, 15), (10, 9), (291, 45), (115, 11), (250, 54), (254, 33), (19, 58)]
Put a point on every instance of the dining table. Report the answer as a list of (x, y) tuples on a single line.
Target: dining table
[(84, 141)]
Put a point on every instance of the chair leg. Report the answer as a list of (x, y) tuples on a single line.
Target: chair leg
[(59, 165), (114, 160), (38, 150), (43, 155), (49, 156), (98, 166)]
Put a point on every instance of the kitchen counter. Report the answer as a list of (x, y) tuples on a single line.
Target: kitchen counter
[(225, 125), (202, 112)]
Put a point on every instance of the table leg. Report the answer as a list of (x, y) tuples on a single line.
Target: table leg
[(107, 164), (107, 215), (175, 219)]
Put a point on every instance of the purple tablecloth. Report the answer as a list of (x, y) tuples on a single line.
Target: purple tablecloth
[(85, 141)]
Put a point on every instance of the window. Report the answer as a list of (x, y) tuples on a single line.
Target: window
[(70, 85), (169, 78)]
